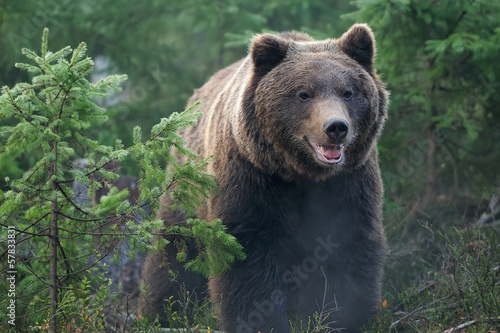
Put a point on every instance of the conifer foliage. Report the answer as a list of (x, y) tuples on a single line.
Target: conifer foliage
[(58, 238)]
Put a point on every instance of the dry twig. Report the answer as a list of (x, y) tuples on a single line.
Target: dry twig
[(396, 323)]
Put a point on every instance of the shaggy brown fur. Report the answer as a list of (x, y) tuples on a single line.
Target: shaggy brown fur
[(293, 129)]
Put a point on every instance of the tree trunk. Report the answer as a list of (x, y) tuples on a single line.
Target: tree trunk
[(432, 170), (53, 247)]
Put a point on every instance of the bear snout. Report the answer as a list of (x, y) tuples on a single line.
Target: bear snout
[(336, 130)]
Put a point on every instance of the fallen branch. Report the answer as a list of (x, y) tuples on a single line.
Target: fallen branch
[(469, 323), (464, 325), (396, 323)]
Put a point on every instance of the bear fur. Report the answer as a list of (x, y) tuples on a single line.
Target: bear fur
[(293, 129)]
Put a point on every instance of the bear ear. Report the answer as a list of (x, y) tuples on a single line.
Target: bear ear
[(359, 44), (267, 51)]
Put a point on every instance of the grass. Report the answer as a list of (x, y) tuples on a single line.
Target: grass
[(460, 291)]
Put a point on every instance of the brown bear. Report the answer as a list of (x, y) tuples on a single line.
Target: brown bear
[(293, 129)]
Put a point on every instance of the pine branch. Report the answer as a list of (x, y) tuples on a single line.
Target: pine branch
[(69, 199), (88, 174), (24, 232), (18, 109)]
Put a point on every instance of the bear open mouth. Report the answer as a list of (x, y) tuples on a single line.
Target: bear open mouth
[(330, 154)]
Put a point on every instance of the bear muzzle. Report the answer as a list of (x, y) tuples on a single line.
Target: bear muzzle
[(330, 148), (330, 154)]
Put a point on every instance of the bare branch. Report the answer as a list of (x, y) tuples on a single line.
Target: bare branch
[(69, 199), (407, 142), (464, 325), (397, 322)]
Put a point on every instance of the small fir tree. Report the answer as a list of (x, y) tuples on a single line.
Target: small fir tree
[(58, 238)]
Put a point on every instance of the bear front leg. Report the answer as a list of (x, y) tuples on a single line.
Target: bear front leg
[(250, 299), (360, 302)]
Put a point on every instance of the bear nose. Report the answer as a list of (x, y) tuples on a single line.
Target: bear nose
[(336, 129)]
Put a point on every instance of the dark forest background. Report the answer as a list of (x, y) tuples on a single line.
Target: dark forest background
[(440, 149)]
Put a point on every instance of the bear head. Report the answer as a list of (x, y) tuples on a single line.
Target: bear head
[(312, 109)]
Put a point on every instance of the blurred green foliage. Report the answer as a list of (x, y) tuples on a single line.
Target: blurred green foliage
[(439, 60)]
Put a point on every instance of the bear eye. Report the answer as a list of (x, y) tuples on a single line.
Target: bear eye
[(304, 97), (347, 95)]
